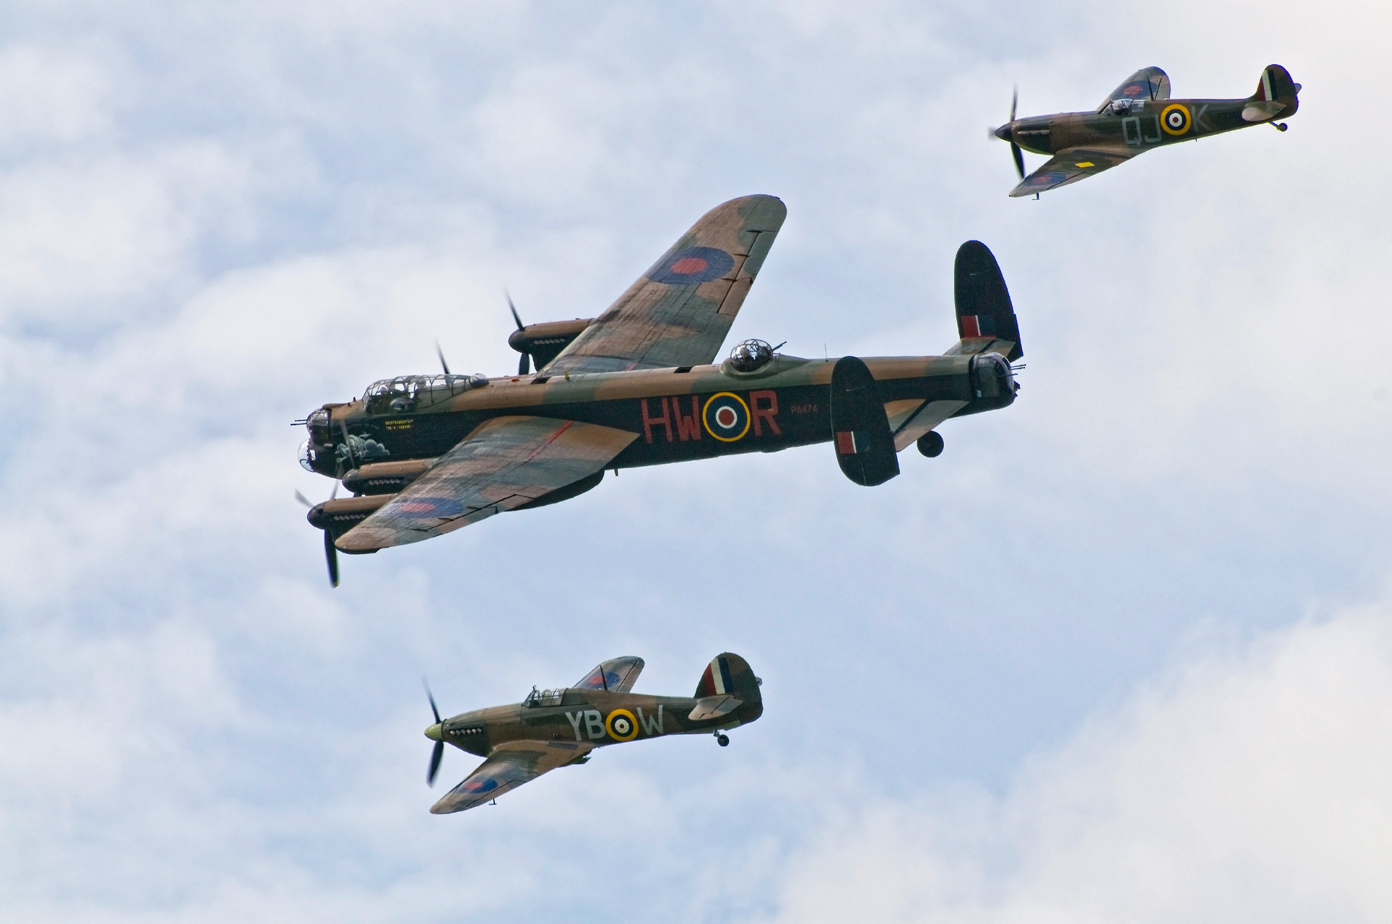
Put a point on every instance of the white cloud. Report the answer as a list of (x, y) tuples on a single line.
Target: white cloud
[(1248, 785)]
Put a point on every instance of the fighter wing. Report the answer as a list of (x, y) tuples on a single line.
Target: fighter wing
[(505, 463), (678, 312), (509, 766), (1146, 83), (1070, 166), (617, 675)]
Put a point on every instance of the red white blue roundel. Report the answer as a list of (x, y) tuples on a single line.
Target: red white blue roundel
[(692, 266), (1046, 179), (426, 508), (477, 786), (726, 417)]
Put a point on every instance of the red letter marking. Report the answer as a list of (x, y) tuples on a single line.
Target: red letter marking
[(688, 428), (769, 412), (665, 421)]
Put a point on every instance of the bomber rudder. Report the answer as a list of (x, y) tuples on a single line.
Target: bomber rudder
[(984, 309)]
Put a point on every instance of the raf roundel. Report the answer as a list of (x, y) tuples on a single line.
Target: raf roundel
[(426, 508), (726, 417), (487, 784), (622, 726), (692, 266), (1175, 119)]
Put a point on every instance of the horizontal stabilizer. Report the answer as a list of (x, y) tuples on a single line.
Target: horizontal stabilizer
[(713, 707)]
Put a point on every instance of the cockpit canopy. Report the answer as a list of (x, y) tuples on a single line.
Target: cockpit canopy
[(750, 355), (407, 393), (543, 698)]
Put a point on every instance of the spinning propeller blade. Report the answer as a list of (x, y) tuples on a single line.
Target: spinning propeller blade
[(523, 364), (441, 353), (438, 753), (331, 554), (1015, 148)]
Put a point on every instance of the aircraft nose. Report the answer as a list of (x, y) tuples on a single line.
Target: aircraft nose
[(436, 732), (1003, 133)]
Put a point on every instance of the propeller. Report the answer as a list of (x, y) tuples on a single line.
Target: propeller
[(439, 752), (330, 550), (441, 353), (523, 364), (1015, 148)]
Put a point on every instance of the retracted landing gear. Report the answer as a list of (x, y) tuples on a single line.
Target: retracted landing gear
[(722, 739), (930, 444)]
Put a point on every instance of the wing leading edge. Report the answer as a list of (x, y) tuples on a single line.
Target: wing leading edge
[(679, 311), (508, 767), (505, 463)]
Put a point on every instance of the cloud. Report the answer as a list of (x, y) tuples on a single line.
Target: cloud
[(1243, 785)]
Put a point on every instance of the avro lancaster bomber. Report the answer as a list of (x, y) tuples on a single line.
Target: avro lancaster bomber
[(428, 454)]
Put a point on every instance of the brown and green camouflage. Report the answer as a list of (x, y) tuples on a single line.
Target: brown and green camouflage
[(1136, 117), (426, 455), (557, 728)]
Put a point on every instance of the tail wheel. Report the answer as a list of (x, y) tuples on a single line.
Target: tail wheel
[(723, 740)]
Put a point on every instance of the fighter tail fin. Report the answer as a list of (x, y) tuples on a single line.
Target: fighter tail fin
[(729, 674), (1276, 85)]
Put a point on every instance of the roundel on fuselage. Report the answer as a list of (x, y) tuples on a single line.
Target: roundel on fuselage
[(621, 725), (726, 417), (1175, 119)]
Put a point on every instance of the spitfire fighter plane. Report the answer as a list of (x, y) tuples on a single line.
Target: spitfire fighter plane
[(428, 454), (1135, 117), (557, 728)]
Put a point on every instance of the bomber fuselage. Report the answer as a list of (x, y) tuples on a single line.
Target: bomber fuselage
[(678, 413)]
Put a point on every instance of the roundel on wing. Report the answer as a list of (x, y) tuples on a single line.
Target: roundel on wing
[(1175, 119), (430, 507), (485, 785), (621, 725), (726, 417), (692, 266), (1046, 179)]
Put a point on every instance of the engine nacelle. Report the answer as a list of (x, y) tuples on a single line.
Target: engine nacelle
[(340, 515), (385, 477), (543, 342)]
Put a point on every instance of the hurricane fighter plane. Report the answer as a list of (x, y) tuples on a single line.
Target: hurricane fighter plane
[(1136, 117), (557, 728), (428, 454)]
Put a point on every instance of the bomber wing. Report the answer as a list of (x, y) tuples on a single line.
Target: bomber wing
[(1070, 166), (505, 463), (1146, 83), (509, 766), (617, 675), (679, 311)]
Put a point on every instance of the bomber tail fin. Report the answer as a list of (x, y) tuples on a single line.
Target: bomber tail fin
[(1275, 86), (730, 675), (985, 316)]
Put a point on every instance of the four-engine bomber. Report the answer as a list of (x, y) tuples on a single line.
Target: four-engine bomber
[(428, 454)]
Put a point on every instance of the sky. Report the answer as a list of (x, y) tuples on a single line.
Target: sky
[(1123, 652)]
